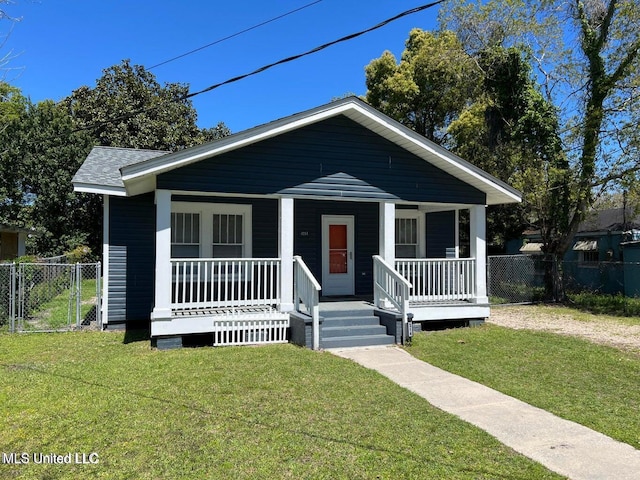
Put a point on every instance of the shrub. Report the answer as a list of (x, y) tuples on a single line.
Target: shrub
[(606, 304), (80, 254)]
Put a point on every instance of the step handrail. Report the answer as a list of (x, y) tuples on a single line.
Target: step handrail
[(390, 286), (306, 290)]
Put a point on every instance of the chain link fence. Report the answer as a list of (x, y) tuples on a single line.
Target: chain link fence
[(7, 293), (521, 278), (38, 297), (514, 279)]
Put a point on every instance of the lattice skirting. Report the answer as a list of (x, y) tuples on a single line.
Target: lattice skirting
[(249, 332)]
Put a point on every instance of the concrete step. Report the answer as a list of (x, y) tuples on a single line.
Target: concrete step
[(351, 320), (352, 330), (357, 341)]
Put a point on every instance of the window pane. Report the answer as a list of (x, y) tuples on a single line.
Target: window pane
[(196, 228), (187, 238), (179, 227), (185, 235), (227, 251), (185, 251), (406, 251), (231, 228), (239, 238), (224, 228), (406, 237), (216, 229), (337, 237)]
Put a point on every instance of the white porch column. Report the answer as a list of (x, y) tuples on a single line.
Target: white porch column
[(478, 234), (162, 305), (286, 254), (388, 232)]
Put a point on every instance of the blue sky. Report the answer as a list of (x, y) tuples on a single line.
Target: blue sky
[(62, 45)]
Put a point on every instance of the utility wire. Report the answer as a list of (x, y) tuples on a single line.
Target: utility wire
[(317, 49), (234, 35), (271, 65)]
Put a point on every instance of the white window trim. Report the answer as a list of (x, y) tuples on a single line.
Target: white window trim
[(421, 223), (206, 211)]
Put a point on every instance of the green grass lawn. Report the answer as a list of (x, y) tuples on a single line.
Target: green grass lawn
[(593, 385), (235, 412)]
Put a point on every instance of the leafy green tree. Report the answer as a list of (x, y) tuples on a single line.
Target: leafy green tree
[(12, 108), (586, 56), (511, 131), (12, 103), (129, 108), (430, 85), (44, 144), (477, 104), (48, 149)]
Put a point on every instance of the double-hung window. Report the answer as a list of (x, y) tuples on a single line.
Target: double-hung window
[(410, 236), (210, 230), (406, 237), (185, 235), (228, 235)]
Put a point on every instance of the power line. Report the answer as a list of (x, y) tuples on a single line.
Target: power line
[(317, 49), (271, 65), (234, 35)]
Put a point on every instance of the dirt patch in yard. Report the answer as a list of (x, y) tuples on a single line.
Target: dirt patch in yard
[(604, 330)]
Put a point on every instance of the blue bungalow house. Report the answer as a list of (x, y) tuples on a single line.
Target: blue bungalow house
[(240, 238)]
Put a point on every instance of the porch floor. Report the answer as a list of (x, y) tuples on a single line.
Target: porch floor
[(333, 307)]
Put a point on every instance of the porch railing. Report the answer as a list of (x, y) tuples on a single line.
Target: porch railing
[(306, 290), (441, 279), (391, 289), (199, 283)]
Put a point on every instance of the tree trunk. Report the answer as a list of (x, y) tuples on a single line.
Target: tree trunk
[(553, 277)]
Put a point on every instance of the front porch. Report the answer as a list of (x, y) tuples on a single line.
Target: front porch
[(238, 301)]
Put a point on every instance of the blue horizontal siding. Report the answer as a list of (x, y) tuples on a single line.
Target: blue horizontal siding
[(441, 233), (131, 260), (333, 158)]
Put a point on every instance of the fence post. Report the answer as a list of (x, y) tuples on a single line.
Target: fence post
[(12, 297), (20, 295), (78, 293)]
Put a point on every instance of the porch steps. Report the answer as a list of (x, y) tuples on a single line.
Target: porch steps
[(354, 330)]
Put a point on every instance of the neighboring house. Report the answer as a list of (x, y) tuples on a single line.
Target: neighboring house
[(12, 242), (599, 248), (208, 239)]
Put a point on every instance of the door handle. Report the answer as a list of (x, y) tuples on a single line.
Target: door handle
[(350, 255)]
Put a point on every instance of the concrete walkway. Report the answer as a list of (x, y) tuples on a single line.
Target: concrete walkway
[(565, 447)]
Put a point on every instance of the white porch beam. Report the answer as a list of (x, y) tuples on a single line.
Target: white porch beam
[(478, 230), (162, 305), (286, 233), (388, 232)]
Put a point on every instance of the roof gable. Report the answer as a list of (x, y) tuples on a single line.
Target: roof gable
[(139, 176), (334, 158)]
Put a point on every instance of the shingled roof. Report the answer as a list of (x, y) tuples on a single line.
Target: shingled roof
[(611, 220), (102, 166)]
